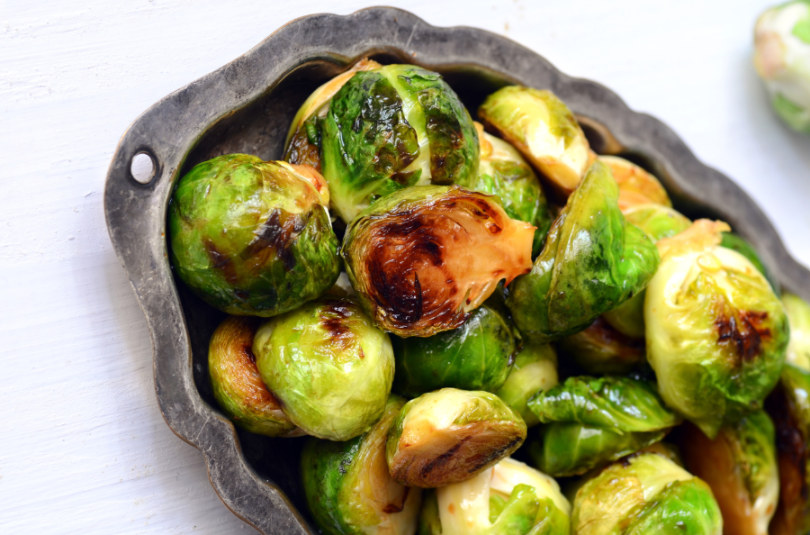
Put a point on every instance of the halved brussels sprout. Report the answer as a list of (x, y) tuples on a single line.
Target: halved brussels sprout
[(798, 313), (543, 129), (636, 186), (348, 488), (601, 349), (391, 128), (451, 435), (535, 369), (304, 137), (739, 244), (504, 172), (508, 499), (236, 383), (740, 467), (645, 494), (330, 367), (716, 333), (592, 262), (476, 356), (423, 258), (782, 59), (252, 237)]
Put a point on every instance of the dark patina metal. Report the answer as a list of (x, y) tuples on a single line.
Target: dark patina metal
[(246, 106)]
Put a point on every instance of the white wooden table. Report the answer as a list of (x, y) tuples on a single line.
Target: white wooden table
[(83, 448)]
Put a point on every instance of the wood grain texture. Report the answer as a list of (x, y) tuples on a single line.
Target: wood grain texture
[(84, 448)]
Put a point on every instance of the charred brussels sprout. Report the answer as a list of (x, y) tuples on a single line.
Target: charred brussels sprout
[(636, 186), (535, 369), (737, 243), (504, 172), (601, 349), (423, 258), (391, 128), (508, 499), (542, 128), (740, 467), (476, 356), (451, 435), (330, 367), (716, 333), (645, 494), (798, 313), (592, 262), (348, 488), (595, 421), (236, 383), (252, 237)]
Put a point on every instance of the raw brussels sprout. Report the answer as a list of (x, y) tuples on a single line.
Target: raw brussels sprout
[(541, 127), (636, 186), (739, 244), (391, 128), (504, 172), (798, 313), (252, 237), (740, 467), (716, 333), (451, 435), (592, 262), (236, 383), (476, 356), (348, 488), (645, 494), (601, 349), (304, 137), (508, 499), (782, 59), (423, 258), (330, 367), (535, 369)]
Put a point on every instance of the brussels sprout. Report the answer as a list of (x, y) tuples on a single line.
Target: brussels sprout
[(782, 59), (737, 243), (541, 127), (504, 172), (645, 494), (451, 435), (304, 137), (236, 383), (508, 499), (716, 333), (422, 258), (535, 369), (252, 237), (740, 467), (330, 367), (592, 262), (391, 128), (476, 356), (636, 186), (798, 313), (601, 349), (348, 488)]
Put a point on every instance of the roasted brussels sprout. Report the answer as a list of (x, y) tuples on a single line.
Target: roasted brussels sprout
[(645, 494), (782, 59), (535, 369), (451, 435), (348, 487), (236, 383), (716, 333), (737, 243), (798, 313), (504, 172), (636, 186), (508, 499), (391, 128), (541, 127), (601, 349), (593, 421), (304, 137), (740, 467), (330, 367), (423, 258), (252, 237), (476, 356), (592, 262)]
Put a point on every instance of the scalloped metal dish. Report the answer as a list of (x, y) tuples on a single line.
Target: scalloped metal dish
[(246, 106)]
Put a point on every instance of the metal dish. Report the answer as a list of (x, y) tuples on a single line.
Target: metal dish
[(246, 106)]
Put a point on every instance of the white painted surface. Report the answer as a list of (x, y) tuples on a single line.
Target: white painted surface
[(83, 448)]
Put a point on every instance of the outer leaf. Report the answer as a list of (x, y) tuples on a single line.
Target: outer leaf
[(737, 243), (535, 369), (798, 312), (682, 508)]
